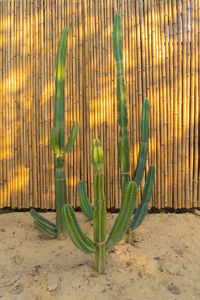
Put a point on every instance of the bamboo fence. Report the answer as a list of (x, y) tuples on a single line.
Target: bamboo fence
[(161, 54)]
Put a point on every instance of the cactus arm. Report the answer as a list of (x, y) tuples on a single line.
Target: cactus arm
[(139, 172), (46, 229), (77, 236), (84, 201), (71, 139), (123, 145), (99, 220), (122, 223), (59, 113), (146, 197), (37, 216), (145, 121), (99, 223)]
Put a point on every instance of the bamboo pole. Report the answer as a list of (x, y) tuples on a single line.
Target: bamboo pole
[(175, 71), (1, 106), (192, 81), (179, 121), (5, 187), (171, 76), (12, 189), (184, 105), (139, 73), (199, 88), (196, 106), (114, 84), (21, 100), (80, 96), (146, 33), (163, 110), (188, 194), (160, 108), (150, 94), (168, 104), (8, 112)]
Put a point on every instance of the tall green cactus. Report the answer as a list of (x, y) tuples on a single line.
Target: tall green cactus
[(121, 225), (57, 144), (123, 146)]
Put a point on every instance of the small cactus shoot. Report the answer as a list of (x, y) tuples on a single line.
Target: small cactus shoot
[(57, 144)]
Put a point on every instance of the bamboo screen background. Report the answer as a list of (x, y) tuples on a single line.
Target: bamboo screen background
[(161, 54)]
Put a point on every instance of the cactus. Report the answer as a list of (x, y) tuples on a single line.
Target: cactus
[(57, 145), (122, 223), (123, 146)]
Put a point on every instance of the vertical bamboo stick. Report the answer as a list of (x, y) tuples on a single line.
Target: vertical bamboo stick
[(154, 98), (8, 92), (147, 71), (188, 194), (184, 128), (179, 85), (160, 108), (1, 106), (5, 187), (175, 71), (163, 107), (25, 127), (143, 65), (168, 103), (115, 133), (80, 96), (139, 73), (150, 94), (22, 114), (171, 76), (192, 81), (196, 106), (199, 88)]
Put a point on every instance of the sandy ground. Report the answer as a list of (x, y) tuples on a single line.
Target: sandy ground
[(163, 263)]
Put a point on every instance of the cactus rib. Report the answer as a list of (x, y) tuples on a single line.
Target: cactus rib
[(84, 201), (77, 236), (48, 230), (122, 223), (146, 196), (36, 216)]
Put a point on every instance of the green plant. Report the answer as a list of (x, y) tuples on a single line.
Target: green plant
[(57, 145), (121, 225), (123, 145)]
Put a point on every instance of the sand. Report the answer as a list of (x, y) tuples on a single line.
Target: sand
[(163, 261)]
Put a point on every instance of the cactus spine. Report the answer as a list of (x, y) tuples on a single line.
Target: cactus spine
[(121, 225), (123, 146), (57, 145)]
